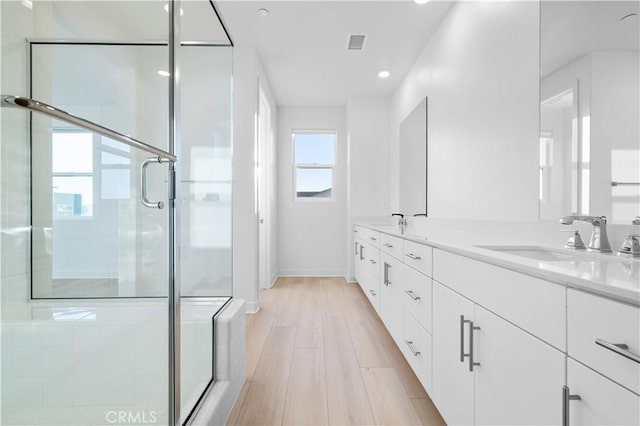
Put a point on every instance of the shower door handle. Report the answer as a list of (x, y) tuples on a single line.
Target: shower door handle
[(143, 182)]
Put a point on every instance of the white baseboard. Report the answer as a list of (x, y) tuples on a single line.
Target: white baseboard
[(274, 278), (350, 279), (252, 307), (310, 273)]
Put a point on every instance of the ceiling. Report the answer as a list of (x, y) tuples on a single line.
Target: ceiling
[(303, 44), (571, 29)]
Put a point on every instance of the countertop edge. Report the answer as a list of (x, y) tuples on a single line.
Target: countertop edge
[(600, 289)]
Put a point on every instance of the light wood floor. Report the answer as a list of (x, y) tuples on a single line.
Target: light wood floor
[(317, 353)]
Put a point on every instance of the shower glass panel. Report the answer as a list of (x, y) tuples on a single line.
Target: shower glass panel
[(76, 239), (205, 208), (91, 235), (90, 333)]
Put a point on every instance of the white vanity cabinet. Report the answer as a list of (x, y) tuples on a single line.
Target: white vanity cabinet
[(367, 264), (486, 371), (452, 381), (391, 295), (603, 367), (493, 346), (602, 402)]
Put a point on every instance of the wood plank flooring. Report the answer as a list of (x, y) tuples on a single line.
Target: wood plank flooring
[(318, 354)]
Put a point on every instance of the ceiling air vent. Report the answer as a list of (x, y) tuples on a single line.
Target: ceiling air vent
[(355, 42)]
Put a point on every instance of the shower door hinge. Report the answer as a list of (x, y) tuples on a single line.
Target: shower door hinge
[(172, 184)]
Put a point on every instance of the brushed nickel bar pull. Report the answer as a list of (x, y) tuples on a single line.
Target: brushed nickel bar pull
[(412, 348), (58, 114), (566, 397), (387, 245), (373, 239), (462, 323), (386, 273), (373, 293), (614, 183), (373, 262), (412, 256), (356, 248), (619, 348), (472, 363), (412, 295), (361, 252)]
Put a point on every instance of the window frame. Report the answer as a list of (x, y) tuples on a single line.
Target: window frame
[(310, 166)]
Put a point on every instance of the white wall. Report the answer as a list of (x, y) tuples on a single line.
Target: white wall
[(480, 72), (368, 160), (311, 234), (247, 75)]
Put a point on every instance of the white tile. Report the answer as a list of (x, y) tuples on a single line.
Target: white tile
[(22, 362), (150, 391), (56, 334), (119, 390), (222, 360), (151, 360), (120, 360), (21, 335), (88, 391), (57, 392), (88, 361), (57, 361), (21, 392)]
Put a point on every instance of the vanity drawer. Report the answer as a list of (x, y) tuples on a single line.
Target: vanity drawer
[(591, 318), (372, 260), (417, 346), (533, 304), (416, 296), (392, 245), (369, 235), (418, 256)]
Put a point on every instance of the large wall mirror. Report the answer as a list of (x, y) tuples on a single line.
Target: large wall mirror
[(413, 158), (589, 109)]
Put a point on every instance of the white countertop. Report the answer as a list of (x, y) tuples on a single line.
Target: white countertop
[(616, 277)]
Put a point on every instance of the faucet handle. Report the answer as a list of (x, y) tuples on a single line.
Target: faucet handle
[(631, 245), (575, 240)]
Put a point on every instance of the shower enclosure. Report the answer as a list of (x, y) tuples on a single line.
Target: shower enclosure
[(116, 237)]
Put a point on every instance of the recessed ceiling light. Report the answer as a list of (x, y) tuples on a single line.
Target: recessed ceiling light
[(384, 74), (166, 9), (263, 12), (164, 73), (421, 1)]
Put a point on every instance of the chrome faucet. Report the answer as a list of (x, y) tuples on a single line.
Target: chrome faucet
[(599, 241), (402, 222), (631, 245)]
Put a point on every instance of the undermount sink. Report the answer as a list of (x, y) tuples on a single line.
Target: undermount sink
[(540, 253)]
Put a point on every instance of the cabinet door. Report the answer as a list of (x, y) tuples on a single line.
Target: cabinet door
[(520, 378), (452, 380), (391, 277), (602, 402)]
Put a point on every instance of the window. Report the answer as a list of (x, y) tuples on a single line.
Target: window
[(72, 173), (314, 159)]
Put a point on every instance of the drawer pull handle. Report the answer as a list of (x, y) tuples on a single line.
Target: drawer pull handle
[(620, 349), (387, 245), (373, 239), (412, 348), (411, 295), (413, 256), (373, 293), (566, 397), (373, 262)]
